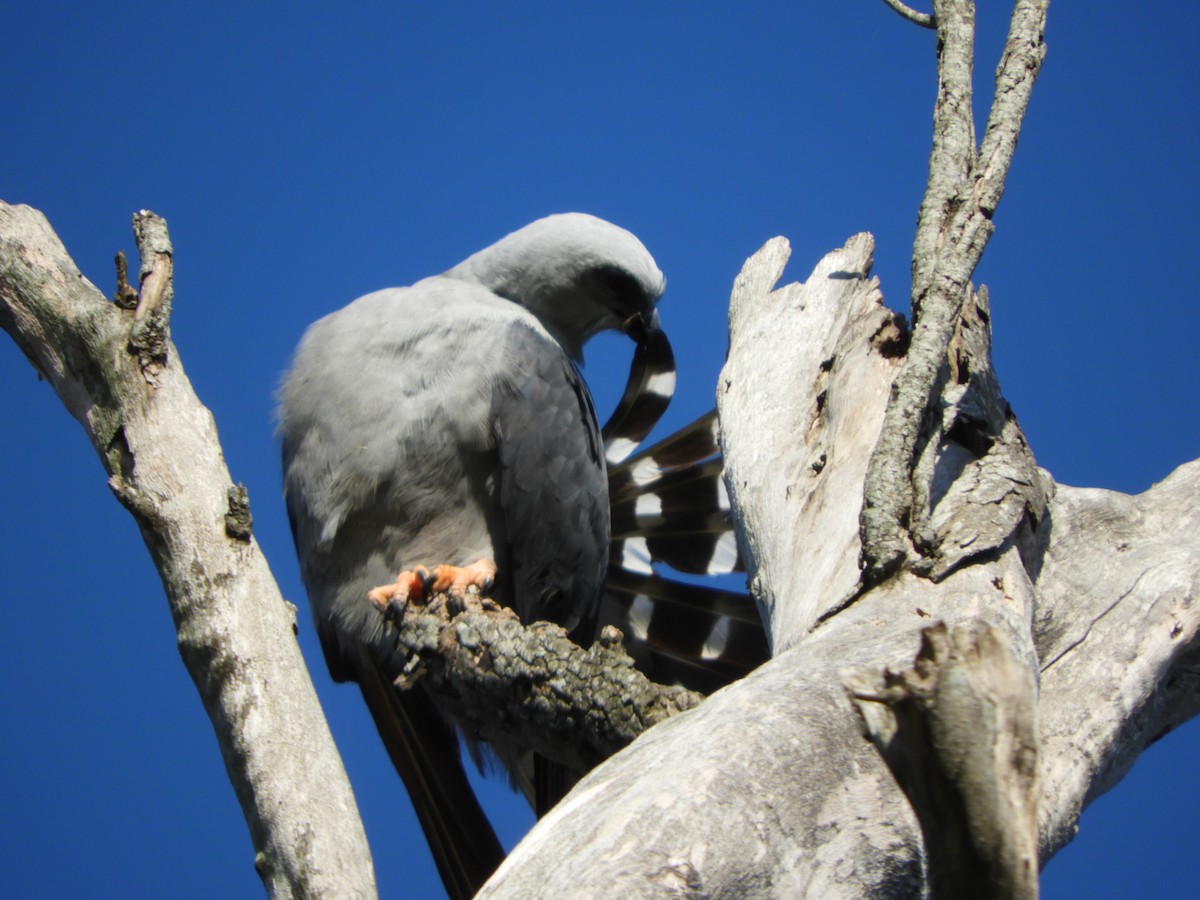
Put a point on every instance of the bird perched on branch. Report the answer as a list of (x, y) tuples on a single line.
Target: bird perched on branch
[(446, 425)]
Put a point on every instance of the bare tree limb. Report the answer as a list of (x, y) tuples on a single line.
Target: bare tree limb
[(118, 374), (925, 20), (953, 228), (1104, 583), (1118, 635), (737, 757), (1024, 52), (1118, 632), (796, 511), (1113, 578)]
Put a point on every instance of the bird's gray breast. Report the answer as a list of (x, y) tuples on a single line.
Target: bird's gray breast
[(440, 424)]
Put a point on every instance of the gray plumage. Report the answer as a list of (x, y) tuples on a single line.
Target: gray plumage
[(445, 422)]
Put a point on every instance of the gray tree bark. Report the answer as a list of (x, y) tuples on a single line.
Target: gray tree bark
[(962, 647), (116, 371), (770, 788)]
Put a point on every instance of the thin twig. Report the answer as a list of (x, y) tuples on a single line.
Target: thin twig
[(925, 20), (1024, 51)]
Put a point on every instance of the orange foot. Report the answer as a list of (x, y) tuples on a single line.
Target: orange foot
[(418, 583)]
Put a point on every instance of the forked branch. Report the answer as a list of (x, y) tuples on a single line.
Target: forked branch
[(954, 225)]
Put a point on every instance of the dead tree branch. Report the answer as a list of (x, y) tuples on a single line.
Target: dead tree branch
[(118, 374), (1105, 581), (958, 729), (529, 687), (953, 228), (925, 20)]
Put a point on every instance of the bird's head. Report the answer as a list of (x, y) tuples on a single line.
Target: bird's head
[(579, 275)]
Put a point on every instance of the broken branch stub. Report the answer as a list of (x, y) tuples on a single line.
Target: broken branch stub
[(958, 729)]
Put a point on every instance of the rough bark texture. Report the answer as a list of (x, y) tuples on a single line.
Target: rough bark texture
[(953, 228), (118, 374), (527, 687), (842, 827), (783, 752)]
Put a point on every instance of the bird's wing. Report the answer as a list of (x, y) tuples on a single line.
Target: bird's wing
[(552, 489), (384, 416), (551, 483)]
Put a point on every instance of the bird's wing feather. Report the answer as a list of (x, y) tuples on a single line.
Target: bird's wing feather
[(550, 482), (386, 423), (701, 637), (670, 507)]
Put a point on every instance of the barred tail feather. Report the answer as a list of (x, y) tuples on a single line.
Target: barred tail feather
[(683, 518), (689, 446), (669, 506), (647, 394), (702, 638)]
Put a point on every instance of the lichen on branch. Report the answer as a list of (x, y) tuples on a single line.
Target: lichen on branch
[(529, 686)]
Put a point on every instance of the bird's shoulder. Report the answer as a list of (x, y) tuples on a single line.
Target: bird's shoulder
[(441, 359), (437, 318)]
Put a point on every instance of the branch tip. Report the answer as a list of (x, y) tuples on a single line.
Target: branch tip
[(126, 296), (925, 20), (150, 336)]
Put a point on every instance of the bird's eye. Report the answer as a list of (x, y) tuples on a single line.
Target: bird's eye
[(624, 292)]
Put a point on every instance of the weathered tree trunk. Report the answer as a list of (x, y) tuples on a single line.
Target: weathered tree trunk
[(881, 484)]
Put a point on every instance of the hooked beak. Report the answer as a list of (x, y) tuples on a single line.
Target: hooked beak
[(639, 328)]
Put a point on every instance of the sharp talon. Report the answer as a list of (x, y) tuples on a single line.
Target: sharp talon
[(455, 580), (382, 596), (394, 611)]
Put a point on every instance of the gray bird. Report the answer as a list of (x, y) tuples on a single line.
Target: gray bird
[(445, 423)]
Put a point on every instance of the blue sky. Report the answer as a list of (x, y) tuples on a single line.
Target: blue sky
[(304, 156)]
